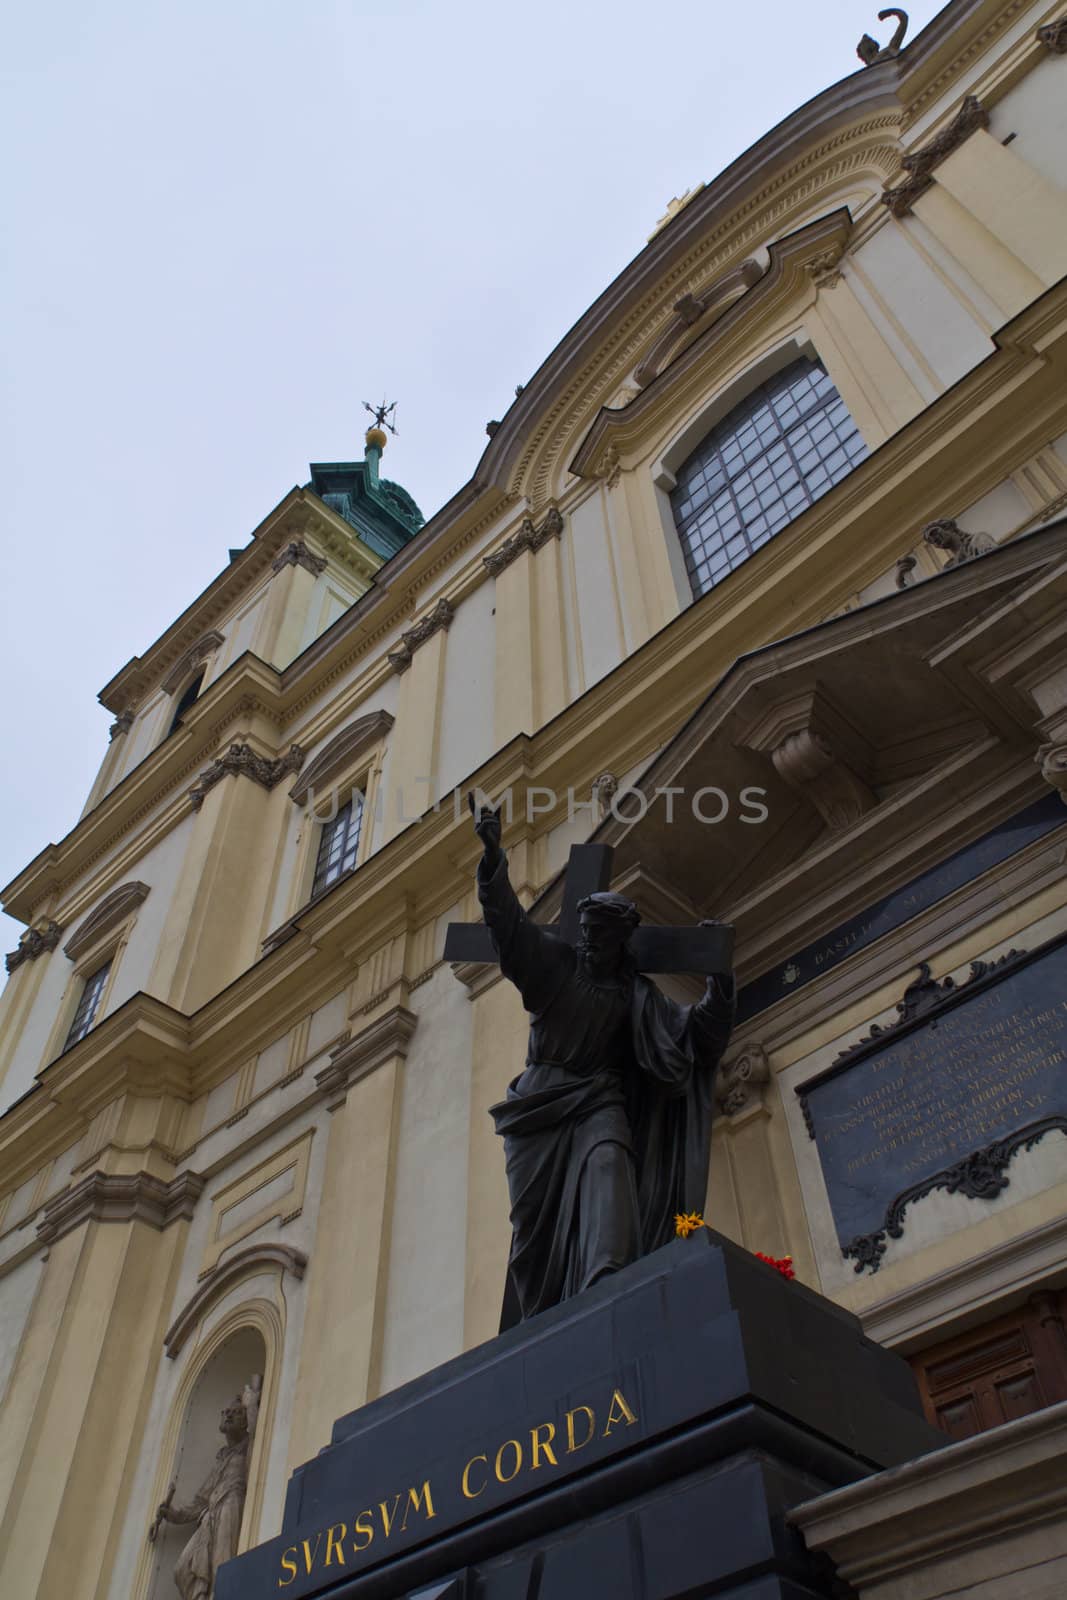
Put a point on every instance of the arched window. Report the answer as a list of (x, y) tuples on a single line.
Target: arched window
[(188, 695), (774, 455)]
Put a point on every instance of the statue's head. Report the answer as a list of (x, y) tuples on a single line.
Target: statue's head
[(606, 922), (943, 534), (234, 1420)]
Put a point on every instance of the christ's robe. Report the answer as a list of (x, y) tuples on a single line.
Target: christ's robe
[(612, 1062)]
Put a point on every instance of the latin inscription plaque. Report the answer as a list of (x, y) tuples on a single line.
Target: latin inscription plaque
[(944, 1098)]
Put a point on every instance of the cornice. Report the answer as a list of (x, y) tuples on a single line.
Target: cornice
[(279, 1258), (105, 1197), (356, 1057)]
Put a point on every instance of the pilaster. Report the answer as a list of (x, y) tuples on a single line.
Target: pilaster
[(347, 1275)]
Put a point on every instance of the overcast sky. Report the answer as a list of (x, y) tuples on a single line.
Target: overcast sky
[(230, 223)]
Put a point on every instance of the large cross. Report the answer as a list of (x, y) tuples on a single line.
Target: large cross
[(654, 949)]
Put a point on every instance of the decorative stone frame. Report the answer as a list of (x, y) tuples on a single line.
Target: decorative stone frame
[(264, 1317), (101, 937)]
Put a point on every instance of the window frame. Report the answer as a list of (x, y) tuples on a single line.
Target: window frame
[(326, 823), (726, 472), (106, 968)]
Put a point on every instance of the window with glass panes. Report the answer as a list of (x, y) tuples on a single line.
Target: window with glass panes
[(774, 455), (339, 844), (88, 1005)]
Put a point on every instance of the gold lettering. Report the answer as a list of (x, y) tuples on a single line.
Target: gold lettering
[(518, 1460), (415, 1497), (288, 1565), (334, 1536), (389, 1516), (364, 1525), (571, 1445), (472, 1494), (537, 1444), (311, 1555), (624, 1413)]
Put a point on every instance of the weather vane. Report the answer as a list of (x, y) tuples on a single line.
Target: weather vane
[(382, 414)]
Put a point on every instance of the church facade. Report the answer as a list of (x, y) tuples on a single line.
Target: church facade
[(761, 581)]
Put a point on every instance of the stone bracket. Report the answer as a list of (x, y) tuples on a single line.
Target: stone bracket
[(440, 617), (105, 1197), (356, 1058), (33, 943), (242, 759), (528, 537), (920, 165)]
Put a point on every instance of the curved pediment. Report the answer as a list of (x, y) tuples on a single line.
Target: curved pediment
[(347, 747), (196, 654), (112, 910)]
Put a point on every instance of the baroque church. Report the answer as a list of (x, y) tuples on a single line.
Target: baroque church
[(761, 582)]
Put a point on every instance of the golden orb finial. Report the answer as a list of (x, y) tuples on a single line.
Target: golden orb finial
[(376, 439)]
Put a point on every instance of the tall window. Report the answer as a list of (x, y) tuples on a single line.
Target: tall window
[(773, 456), (88, 1005), (188, 696), (339, 844)]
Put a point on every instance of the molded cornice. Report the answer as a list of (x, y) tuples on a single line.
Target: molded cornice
[(279, 1258), (105, 1197)]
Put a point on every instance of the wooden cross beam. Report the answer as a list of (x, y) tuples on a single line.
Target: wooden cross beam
[(653, 948)]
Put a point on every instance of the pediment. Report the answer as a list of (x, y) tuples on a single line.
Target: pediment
[(109, 914), (882, 741), (345, 748)]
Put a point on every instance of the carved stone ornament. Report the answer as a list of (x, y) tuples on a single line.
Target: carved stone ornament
[(33, 943), (871, 53), (920, 165), (924, 994), (528, 537), (120, 1197), (946, 534), (242, 760), (605, 788), (823, 268), (1054, 36), (810, 764), (1051, 758), (121, 724), (741, 1082), (197, 653), (609, 467), (297, 554), (905, 570), (440, 617)]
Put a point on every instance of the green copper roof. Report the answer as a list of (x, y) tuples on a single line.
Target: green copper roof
[(382, 513)]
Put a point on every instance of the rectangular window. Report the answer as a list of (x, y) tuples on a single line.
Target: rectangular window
[(88, 1005), (339, 845)]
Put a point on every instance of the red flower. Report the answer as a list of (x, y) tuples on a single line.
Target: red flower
[(782, 1264)]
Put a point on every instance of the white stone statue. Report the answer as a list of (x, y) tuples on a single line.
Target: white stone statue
[(218, 1505)]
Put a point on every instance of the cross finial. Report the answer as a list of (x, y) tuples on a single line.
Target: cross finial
[(384, 415)]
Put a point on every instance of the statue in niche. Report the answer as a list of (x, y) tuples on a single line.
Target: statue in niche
[(219, 1504), (607, 1129)]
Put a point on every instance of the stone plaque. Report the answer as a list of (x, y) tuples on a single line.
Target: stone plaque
[(944, 1098)]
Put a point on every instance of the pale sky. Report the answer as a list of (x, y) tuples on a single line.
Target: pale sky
[(228, 224)]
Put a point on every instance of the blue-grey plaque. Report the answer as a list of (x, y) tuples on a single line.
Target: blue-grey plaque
[(969, 1075)]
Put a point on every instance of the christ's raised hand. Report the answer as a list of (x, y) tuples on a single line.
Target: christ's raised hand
[(487, 827)]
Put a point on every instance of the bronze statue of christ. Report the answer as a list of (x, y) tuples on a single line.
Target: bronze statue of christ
[(607, 1129)]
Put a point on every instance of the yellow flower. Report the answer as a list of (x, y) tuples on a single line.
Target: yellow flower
[(687, 1223)]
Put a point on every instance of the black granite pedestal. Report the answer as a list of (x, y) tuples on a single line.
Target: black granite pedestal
[(645, 1442)]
